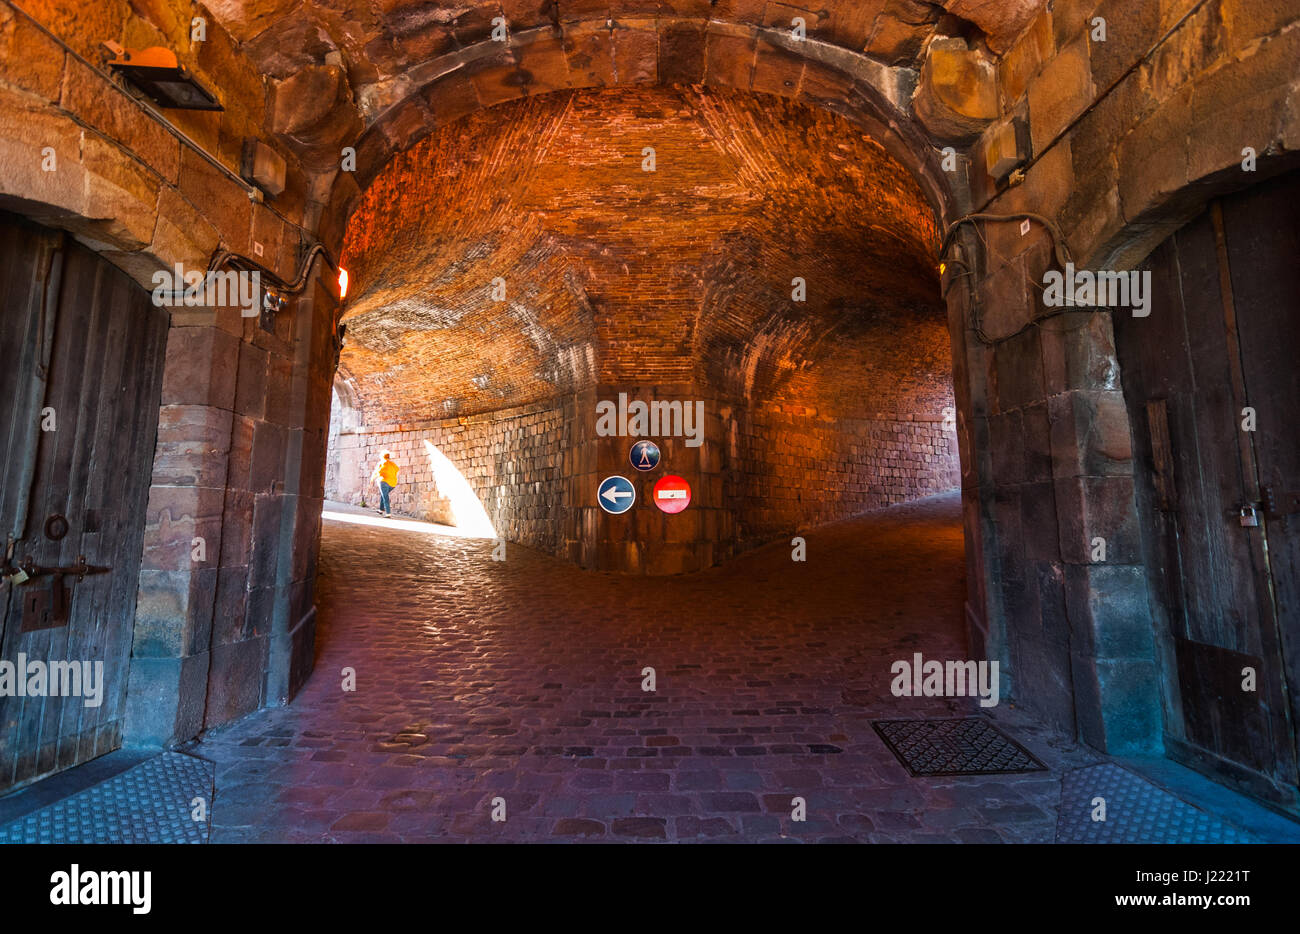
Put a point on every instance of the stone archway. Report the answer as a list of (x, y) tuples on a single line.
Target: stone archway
[(344, 467), (624, 52), (1114, 143)]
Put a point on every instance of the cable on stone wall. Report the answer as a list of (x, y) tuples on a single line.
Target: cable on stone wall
[(1059, 247)]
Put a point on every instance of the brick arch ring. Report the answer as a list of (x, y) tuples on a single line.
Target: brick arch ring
[(658, 51)]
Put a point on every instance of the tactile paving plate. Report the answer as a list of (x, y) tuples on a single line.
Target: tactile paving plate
[(149, 803), (1136, 812), (961, 746)]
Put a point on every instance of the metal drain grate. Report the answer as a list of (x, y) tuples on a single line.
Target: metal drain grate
[(150, 803), (1136, 812), (962, 746)]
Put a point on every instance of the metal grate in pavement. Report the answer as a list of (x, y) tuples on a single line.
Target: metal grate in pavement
[(960, 746), (150, 803), (1136, 811)]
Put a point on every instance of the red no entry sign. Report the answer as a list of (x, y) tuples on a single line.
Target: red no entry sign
[(672, 493)]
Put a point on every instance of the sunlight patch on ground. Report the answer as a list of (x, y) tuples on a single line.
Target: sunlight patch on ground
[(471, 518), (406, 525)]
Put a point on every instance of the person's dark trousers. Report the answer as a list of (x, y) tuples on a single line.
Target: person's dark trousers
[(384, 490)]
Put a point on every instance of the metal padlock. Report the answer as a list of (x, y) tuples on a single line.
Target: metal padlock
[(1248, 518)]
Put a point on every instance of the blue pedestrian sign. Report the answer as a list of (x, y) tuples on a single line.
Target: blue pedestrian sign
[(645, 455), (616, 494)]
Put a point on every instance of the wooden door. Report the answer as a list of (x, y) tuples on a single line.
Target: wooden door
[(1212, 387), (81, 355)]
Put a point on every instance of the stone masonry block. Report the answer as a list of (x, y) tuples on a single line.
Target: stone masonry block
[(175, 517), (957, 96), (1079, 353), (1109, 615), (165, 700), (235, 680), (1154, 158), (193, 445), (1098, 507), (1060, 93), (200, 367), (1130, 710), (173, 612), (30, 132), (29, 59), (121, 197), (1090, 435)]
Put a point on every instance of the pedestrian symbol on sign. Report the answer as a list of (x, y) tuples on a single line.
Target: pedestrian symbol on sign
[(645, 455)]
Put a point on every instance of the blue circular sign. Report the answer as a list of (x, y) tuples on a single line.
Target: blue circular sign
[(645, 455), (616, 494)]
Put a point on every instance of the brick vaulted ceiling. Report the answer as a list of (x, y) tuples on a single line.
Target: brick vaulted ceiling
[(614, 274)]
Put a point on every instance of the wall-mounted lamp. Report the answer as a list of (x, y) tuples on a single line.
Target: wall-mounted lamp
[(343, 283), (273, 303), (157, 74)]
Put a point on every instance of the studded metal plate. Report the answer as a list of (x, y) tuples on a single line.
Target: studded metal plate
[(1135, 811), (150, 803), (962, 746)]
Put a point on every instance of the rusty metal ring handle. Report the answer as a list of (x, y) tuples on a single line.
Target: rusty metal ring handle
[(56, 526)]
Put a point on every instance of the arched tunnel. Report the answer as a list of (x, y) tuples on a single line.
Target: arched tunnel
[(650, 420), (773, 270)]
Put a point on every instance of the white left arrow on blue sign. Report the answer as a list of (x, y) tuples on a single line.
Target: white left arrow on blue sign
[(616, 494)]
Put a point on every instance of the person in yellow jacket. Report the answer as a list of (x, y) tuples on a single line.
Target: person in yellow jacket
[(385, 474)]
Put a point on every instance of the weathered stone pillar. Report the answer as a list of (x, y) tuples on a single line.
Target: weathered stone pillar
[(970, 366), (184, 525), (302, 491), (224, 617), (1052, 536), (1112, 649)]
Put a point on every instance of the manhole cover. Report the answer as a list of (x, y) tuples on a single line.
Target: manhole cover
[(963, 746)]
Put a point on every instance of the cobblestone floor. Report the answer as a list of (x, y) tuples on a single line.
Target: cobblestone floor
[(521, 680)]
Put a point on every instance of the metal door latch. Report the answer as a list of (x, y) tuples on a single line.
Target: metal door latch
[(29, 569), (49, 606)]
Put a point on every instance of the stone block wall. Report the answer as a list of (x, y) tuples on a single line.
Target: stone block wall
[(799, 470), (1125, 139), (224, 609), (514, 461), (535, 470), (79, 155)]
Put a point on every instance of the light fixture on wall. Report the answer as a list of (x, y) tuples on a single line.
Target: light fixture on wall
[(157, 74), (272, 302), (343, 283)]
